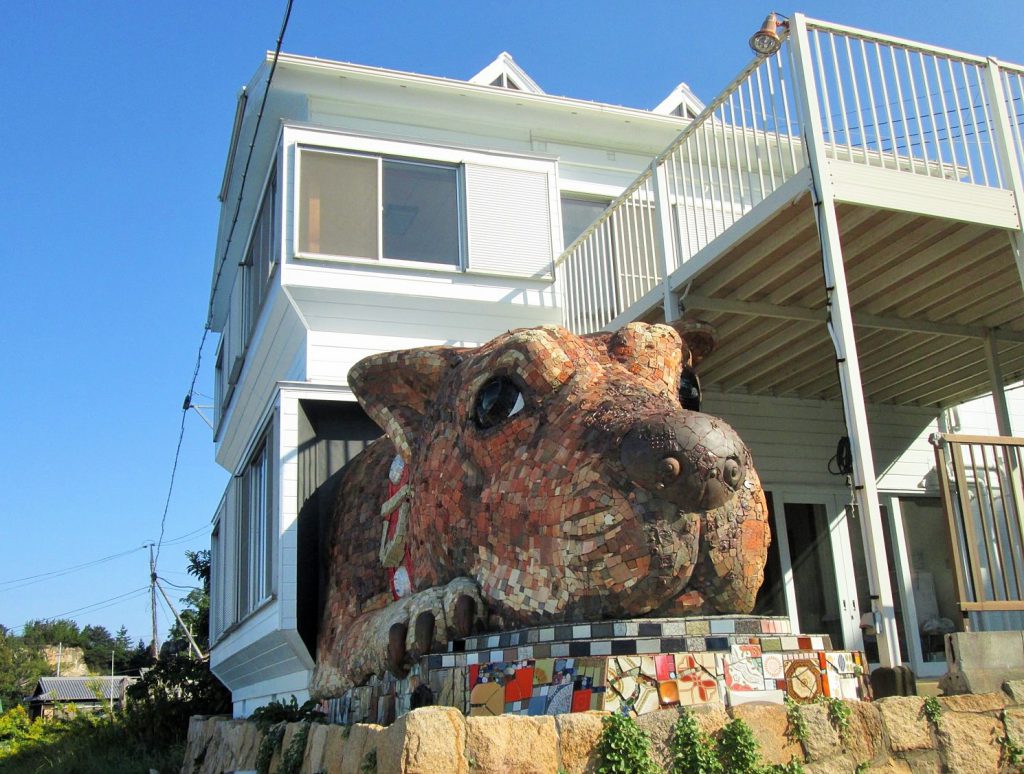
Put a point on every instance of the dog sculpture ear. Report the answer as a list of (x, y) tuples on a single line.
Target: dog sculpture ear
[(700, 339), (397, 388)]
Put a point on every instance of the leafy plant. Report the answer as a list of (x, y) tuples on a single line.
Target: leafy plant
[(269, 744), (797, 725), (291, 761), (693, 751), (738, 750), (369, 765), (286, 712), (81, 743), (174, 690), (932, 710), (838, 715), (624, 748), (1013, 751), (793, 767)]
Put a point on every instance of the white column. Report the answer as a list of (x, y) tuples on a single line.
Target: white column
[(995, 375), (854, 408), (1002, 132), (664, 242)]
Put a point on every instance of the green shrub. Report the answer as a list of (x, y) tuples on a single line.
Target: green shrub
[(161, 703), (693, 751), (286, 712), (738, 750), (83, 744), (624, 748)]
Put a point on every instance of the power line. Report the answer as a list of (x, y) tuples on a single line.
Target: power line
[(248, 161), (179, 586), (38, 578), (220, 268), (28, 580), (94, 607), (181, 436)]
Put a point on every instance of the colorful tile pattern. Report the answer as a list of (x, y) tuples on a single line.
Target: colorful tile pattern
[(632, 683)]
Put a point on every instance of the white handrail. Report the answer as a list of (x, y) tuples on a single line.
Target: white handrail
[(884, 102)]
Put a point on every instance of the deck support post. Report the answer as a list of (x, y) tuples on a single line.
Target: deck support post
[(1013, 177), (995, 374), (664, 242), (840, 324)]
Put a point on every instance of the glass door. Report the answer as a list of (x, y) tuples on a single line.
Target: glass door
[(818, 567)]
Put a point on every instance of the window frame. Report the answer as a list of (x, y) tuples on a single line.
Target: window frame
[(460, 264), (254, 570)]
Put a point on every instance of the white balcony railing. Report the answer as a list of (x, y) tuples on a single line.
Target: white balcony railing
[(1013, 97), (883, 102), (743, 146), (898, 104)]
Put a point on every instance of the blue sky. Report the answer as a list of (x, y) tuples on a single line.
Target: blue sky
[(115, 127)]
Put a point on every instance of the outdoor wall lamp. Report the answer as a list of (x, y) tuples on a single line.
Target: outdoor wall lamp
[(766, 41)]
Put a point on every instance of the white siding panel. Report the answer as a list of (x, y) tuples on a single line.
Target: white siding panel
[(278, 340), (509, 221), (792, 440)]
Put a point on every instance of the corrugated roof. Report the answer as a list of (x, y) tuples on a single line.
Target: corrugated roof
[(90, 688)]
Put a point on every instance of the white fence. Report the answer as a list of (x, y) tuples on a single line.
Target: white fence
[(884, 102)]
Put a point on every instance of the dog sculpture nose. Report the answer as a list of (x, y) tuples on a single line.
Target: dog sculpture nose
[(688, 458)]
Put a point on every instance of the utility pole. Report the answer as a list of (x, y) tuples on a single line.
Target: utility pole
[(154, 651), (184, 628)]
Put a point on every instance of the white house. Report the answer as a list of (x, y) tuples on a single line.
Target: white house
[(382, 210)]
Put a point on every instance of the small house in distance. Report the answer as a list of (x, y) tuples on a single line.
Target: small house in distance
[(85, 694)]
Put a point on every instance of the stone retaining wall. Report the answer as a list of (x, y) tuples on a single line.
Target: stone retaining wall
[(891, 735)]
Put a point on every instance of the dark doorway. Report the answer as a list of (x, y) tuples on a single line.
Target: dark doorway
[(331, 434)]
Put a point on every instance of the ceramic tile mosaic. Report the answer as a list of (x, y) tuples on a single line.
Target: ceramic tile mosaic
[(742, 668), (511, 466)]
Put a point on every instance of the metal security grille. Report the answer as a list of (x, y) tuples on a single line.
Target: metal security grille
[(980, 481)]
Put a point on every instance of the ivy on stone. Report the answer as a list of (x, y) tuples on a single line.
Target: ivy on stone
[(624, 748), (693, 751)]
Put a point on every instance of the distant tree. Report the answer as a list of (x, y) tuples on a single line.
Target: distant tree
[(98, 646), (21, 666), (39, 634), (139, 657), (196, 608)]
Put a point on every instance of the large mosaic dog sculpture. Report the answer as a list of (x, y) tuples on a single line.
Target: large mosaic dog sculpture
[(541, 477)]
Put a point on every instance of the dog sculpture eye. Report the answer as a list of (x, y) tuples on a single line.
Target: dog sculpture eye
[(498, 399)]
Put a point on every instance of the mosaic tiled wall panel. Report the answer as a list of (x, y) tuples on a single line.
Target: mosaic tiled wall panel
[(542, 478), (661, 664)]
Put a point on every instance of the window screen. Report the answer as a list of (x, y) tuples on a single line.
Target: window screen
[(421, 212), (578, 214), (338, 204)]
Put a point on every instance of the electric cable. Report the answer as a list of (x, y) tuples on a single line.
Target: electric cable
[(179, 586), (39, 577), (216, 280), (181, 436), (102, 604), (248, 161)]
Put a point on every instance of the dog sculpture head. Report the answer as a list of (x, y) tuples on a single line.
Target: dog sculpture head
[(563, 475)]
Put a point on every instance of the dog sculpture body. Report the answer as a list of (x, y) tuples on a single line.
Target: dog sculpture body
[(541, 477)]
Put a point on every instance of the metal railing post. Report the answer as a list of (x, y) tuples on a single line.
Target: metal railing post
[(1006, 154), (952, 531), (664, 239), (854, 409)]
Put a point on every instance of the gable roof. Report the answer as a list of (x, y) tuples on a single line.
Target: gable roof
[(681, 101), (91, 688), (505, 73)]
